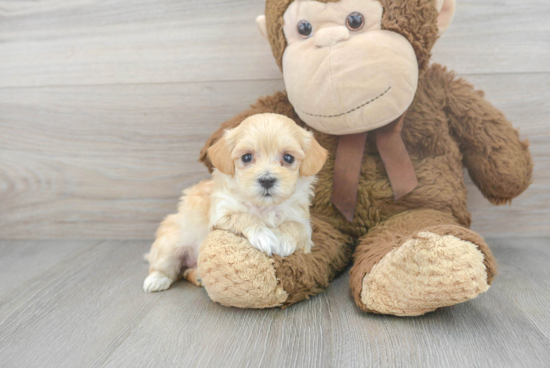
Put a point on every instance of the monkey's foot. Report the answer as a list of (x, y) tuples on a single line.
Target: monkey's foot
[(434, 268)]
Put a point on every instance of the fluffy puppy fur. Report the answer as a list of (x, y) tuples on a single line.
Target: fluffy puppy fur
[(261, 189)]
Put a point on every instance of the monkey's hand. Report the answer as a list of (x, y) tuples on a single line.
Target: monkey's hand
[(499, 163)]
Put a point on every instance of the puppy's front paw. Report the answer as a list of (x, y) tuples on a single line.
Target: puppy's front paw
[(288, 244), (156, 282), (306, 245), (264, 239)]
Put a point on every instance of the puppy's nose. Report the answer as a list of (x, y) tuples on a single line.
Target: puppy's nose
[(267, 182)]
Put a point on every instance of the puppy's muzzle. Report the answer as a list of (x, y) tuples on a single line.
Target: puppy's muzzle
[(267, 182)]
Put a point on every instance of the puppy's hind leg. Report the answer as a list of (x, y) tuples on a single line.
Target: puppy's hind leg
[(192, 275), (166, 255), (179, 237)]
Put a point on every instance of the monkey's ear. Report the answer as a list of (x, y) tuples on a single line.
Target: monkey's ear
[(315, 158), (446, 10), (220, 155), (260, 22)]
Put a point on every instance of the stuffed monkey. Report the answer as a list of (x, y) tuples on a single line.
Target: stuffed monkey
[(398, 131)]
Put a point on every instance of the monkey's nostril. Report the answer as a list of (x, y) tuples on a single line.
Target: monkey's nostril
[(267, 182)]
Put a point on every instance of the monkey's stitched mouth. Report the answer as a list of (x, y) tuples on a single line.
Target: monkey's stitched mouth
[(350, 111)]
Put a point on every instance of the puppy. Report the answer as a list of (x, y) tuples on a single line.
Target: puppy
[(261, 188)]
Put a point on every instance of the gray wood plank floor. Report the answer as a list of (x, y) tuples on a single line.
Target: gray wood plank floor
[(80, 304)]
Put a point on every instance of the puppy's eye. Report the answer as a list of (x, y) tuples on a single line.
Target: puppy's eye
[(247, 158), (304, 28), (289, 159), (355, 21)]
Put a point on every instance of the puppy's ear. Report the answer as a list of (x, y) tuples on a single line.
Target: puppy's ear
[(315, 157), (220, 155)]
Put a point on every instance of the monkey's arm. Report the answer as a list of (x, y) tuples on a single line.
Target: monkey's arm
[(498, 162), (277, 104)]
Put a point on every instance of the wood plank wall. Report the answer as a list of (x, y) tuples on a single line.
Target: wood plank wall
[(104, 105)]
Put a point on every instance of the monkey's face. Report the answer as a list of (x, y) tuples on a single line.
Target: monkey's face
[(343, 73)]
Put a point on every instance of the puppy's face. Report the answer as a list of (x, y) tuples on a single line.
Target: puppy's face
[(267, 154)]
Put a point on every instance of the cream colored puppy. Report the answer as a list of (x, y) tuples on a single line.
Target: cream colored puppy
[(261, 188)]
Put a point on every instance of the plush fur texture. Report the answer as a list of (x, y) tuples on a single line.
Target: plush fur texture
[(396, 231), (237, 275), (427, 272), (302, 275), (448, 123), (448, 126)]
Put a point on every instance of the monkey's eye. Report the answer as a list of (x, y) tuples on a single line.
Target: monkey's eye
[(355, 21), (247, 158), (305, 28), (289, 159)]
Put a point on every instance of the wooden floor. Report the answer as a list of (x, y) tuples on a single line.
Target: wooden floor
[(80, 304), (104, 106)]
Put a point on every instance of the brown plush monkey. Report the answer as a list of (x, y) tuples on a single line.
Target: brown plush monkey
[(357, 73)]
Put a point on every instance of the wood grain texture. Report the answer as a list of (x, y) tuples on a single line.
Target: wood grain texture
[(111, 161), (84, 42), (105, 105), (88, 310), (22, 261), (78, 311), (106, 161)]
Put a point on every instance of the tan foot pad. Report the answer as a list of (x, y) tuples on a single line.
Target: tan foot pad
[(236, 274), (429, 271)]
